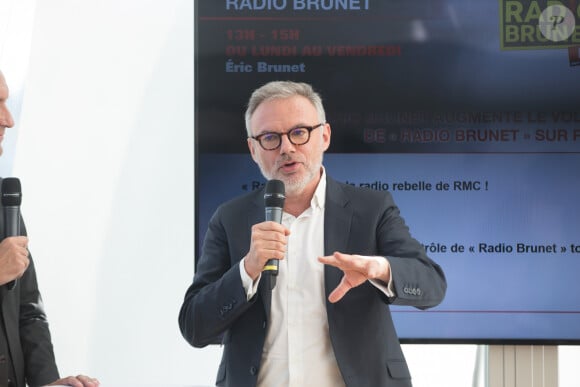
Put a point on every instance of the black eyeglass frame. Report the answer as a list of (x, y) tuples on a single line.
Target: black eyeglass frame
[(287, 133)]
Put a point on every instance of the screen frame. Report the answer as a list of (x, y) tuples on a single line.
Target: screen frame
[(198, 232)]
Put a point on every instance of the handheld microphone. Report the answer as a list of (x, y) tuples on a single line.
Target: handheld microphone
[(11, 200), (274, 197)]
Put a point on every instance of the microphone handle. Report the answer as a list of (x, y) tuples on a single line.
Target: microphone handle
[(11, 221), (273, 214), (11, 228)]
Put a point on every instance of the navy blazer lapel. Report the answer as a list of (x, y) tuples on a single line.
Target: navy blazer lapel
[(337, 224), (256, 212)]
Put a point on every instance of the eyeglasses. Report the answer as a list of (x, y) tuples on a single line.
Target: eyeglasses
[(297, 136)]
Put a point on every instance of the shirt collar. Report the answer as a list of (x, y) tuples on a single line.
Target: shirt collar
[(319, 198)]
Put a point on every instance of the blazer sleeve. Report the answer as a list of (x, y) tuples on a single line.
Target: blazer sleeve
[(216, 298), (40, 364), (418, 281)]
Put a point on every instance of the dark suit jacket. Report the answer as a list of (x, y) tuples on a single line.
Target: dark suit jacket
[(366, 346), (27, 328)]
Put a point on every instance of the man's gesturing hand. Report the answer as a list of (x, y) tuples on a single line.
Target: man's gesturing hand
[(357, 269)]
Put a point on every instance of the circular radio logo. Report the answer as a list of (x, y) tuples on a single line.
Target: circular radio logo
[(557, 23)]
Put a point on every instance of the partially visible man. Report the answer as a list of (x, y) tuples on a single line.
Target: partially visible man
[(26, 353)]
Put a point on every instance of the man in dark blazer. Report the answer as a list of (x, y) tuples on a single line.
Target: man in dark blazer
[(345, 255), (26, 352)]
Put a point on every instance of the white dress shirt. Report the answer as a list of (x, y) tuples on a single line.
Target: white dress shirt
[(297, 350)]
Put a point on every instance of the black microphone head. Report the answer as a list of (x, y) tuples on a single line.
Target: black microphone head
[(11, 192), (275, 194)]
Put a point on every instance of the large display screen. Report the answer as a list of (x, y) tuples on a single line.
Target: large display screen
[(467, 111)]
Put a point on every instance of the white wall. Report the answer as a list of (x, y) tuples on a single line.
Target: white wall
[(105, 156)]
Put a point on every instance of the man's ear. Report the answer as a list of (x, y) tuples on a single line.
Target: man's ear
[(326, 136), (252, 149)]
